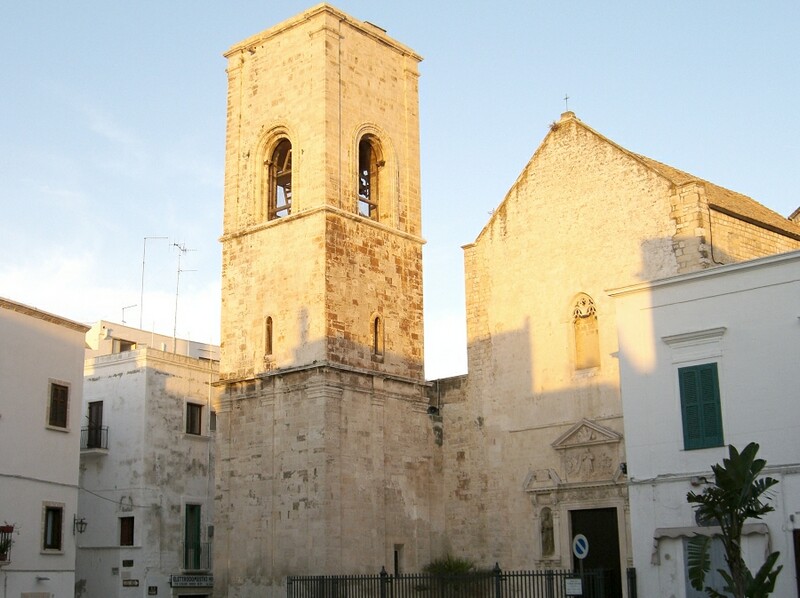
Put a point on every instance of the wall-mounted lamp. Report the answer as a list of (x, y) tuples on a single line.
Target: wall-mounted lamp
[(698, 480), (42, 578), (78, 524)]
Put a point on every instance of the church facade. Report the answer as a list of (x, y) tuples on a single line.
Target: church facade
[(334, 453), (534, 447)]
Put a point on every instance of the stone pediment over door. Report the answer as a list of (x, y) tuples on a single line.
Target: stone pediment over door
[(590, 453)]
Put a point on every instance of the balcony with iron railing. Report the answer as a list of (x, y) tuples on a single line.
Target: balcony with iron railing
[(197, 556), (94, 439)]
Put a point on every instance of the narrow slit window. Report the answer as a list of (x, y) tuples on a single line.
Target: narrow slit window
[(280, 181), (268, 336), (377, 336)]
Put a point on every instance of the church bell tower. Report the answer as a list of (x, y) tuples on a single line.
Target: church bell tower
[(326, 454)]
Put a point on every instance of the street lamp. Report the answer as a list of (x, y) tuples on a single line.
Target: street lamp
[(78, 524)]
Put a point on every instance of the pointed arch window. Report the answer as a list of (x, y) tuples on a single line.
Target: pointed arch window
[(370, 162), (587, 342), (279, 192)]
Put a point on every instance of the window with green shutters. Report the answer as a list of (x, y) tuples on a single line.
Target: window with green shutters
[(700, 406)]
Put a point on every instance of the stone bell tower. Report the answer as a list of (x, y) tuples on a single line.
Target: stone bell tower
[(327, 459)]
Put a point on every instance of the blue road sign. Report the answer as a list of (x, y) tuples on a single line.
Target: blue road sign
[(580, 546)]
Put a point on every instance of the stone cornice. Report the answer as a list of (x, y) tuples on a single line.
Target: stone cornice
[(43, 315), (254, 228)]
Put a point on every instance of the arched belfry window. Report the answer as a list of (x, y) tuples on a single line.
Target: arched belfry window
[(587, 342), (370, 161), (279, 190)]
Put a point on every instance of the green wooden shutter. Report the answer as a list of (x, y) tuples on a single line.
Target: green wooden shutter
[(700, 406), (710, 405), (690, 407)]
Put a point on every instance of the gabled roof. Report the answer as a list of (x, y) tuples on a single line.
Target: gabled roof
[(727, 201), (720, 199)]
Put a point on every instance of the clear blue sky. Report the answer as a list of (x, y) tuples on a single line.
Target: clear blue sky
[(112, 118)]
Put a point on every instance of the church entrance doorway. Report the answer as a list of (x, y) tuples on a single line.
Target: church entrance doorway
[(600, 528)]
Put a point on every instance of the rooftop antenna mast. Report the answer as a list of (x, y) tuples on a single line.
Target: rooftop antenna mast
[(141, 297), (181, 252), (123, 311)]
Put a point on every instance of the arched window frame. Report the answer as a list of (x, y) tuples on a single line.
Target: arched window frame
[(268, 168), (585, 332)]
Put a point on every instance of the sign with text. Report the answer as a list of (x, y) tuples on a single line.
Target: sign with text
[(573, 586), (191, 581)]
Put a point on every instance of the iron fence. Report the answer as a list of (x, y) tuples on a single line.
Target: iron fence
[(489, 584)]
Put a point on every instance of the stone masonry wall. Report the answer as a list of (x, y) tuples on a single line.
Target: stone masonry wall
[(706, 237), (738, 240), (277, 271), (372, 272), (327, 472)]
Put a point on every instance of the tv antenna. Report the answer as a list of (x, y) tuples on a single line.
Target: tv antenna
[(141, 297), (123, 311), (181, 252)]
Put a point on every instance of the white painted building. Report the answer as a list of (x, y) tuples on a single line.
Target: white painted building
[(146, 466), (733, 334), (41, 381)]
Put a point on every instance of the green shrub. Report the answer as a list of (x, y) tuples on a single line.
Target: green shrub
[(449, 565)]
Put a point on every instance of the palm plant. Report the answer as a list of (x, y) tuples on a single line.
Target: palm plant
[(736, 495)]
